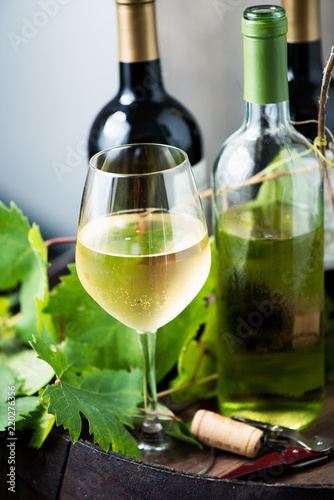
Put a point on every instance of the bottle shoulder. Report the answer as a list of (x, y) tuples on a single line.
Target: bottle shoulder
[(246, 152), (132, 106), (164, 120)]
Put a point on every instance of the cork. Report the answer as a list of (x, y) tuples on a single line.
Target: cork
[(226, 434)]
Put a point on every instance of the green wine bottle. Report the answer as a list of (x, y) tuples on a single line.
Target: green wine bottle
[(268, 223)]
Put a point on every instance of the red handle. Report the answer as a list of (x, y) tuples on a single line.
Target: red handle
[(272, 465)]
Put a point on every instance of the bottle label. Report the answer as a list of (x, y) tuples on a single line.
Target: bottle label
[(328, 227)]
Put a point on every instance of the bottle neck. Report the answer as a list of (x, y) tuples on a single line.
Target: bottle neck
[(137, 32), (262, 117), (143, 79), (265, 70), (139, 68), (305, 60)]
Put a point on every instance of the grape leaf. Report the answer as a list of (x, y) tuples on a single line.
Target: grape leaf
[(7, 379), (70, 356), (41, 422), (21, 406), (23, 262), (290, 188), (172, 337), (106, 398), (31, 372), (116, 345), (24, 406), (197, 361)]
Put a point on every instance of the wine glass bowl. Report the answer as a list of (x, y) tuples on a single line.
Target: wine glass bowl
[(143, 250)]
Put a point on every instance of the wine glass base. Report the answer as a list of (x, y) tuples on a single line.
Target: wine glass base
[(151, 442)]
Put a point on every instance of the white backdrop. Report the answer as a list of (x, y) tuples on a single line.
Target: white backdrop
[(59, 67)]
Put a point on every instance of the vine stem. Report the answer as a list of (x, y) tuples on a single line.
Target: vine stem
[(60, 241), (322, 120), (214, 376)]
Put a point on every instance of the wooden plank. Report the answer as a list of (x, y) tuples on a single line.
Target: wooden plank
[(39, 473), (113, 476)]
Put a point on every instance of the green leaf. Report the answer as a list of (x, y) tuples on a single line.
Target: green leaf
[(31, 372), (25, 405), (15, 248), (4, 306), (296, 188), (107, 399), (81, 318), (23, 262), (19, 406), (41, 423), (70, 356), (196, 362), (172, 337), (7, 379)]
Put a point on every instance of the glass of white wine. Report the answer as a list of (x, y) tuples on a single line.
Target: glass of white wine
[(143, 249)]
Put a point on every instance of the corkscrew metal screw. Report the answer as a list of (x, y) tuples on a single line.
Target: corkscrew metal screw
[(279, 435)]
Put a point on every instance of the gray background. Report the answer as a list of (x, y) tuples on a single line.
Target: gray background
[(59, 67)]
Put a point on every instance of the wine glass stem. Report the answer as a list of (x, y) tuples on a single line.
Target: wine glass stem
[(147, 343)]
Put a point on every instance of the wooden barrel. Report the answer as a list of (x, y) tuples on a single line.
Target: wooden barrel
[(63, 471)]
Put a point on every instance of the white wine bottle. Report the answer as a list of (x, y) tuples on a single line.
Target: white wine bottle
[(142, 110), (268, 225)]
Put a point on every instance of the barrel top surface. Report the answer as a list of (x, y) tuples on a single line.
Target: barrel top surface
[(63, 471), (224, 462)]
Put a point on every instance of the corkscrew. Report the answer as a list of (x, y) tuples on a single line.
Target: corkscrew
[(277, 435), (291, 449), (251, 438)]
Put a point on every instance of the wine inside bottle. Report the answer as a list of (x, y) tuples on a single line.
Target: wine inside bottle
[(305, 70), (142, 110)]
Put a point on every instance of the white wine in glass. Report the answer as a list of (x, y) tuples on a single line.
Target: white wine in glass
[(143, 250)]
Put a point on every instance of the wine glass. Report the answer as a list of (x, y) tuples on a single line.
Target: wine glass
[(143, 250)]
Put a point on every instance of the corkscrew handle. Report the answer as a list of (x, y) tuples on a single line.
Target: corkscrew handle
[(263, 468)]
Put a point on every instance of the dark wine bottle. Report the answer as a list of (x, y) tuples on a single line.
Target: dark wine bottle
[(142, 110), (305, 70)]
